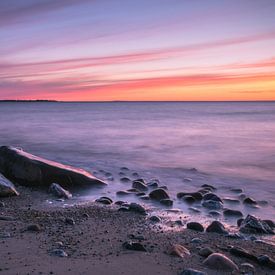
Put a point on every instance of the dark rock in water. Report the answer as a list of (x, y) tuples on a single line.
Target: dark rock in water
[(59, 253), (187, 180), (119, 202), (212, 204), (209, 186), (216, 227), (211, 197), (153, 184), (236, 190), (155, 219), (30, 170), (135, 207), (166, 202), (123, 209), (34, 228), (163, 187), (242, 196), (60, 192), (179, 251), (270, 223), (135, 174), (121, 174), (188, 199), (220, 262), (145, 198), (231, 200), (190, 271), (123, 193), (195, 195), (125, 179), (134, 246), (194, 209), (265, 260), (139, 185), (253, 225), (70, 221), (205, 252), (232, 213), (139, 194), (196, 240), (104, 200), (158, 194), (195, 226), (6, 187), (214, 213), (124, 169), (249, 201), (239, 222), (247, 268), (240, 252), (132, 190)]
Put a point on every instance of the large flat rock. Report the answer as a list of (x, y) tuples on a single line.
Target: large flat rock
[(26, 169)]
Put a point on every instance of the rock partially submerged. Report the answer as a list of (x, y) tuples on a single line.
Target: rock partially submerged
[(6, 188), (60, 192), (30, 170)]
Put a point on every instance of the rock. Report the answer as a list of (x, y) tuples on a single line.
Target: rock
[(7, 189), (134, 246), (265, 260), (139, 194), (123, 209), (70, 221), (211, 197), (240, 252), (187, 180), (125, 179), (195, 226), (58, 191), (123, 193), (190, 271), (166, 202), (239, 222), (34, 228), (6, 218), (158, 194), (270, 223), (59, 253), (135, 207), (188, 199), (214, 213), (136, 237), (247, 268), (4, 235), (253, 225), (216, 227), (196, 240), (205, 252), (153, 184), (145, 198), (220, 262), (135, 174), (232, 213), (209, 186), (194, 209), (249, 201), (212, 204), (124, 169), (231, 200), (155, 219), (179, 251), (139, 185), (236, 190), (104, 200), (119, 202), (30, 170), (195, 195), (133, 190), (163, 187), (2, 204)]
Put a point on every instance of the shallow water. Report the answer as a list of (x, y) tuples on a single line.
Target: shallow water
[(230, 144)]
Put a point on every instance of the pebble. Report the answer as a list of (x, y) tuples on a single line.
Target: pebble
[(158, 194), (205, 251), (195, 226), (247, 268), (104, 200), (125, 179), (195, 195), (33, 227), (231, 212), (249, 201), (139, 185), (155, 219), (134, 246), (70, 221), (135, 207), (214, 213), (209, 186), (196, 240), (220, 262), (2, 204), (212, 197), (166, 202), (231, 200), (59, 253), (188, 199), (236, 190), (216, 227), (122, 193), (145, 198), (190, 271), (212, 204), (179, 251)]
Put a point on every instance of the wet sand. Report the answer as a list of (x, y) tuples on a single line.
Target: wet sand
[(94, 243)]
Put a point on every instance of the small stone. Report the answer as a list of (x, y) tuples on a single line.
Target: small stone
[(195, 195), (247, 268), (205, 252), (249, 201), (216, 227), (232, 213), (123, 193), (212, 197), (104, 200), (179, 251), (187, 179), (4, 235), (220, 262), (212, 204), (7, 189), (60, 192), (139, 185), (139, 194), (59, 253), (155, 219), (190, 271), (196, 240), (231, 200), (125, 179), (166, 202), (34, 227), (135, 174), (70, 221), (214, 213), (119, 202), (145, 198), (236, 190), (158, 194), (195, 226), (135, 207), (124, 169), (134, 246), (194, 209), (123, 209), (209, 186), (188, 199), (2, 204)]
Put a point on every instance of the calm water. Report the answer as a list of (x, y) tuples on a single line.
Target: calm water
[(230, 144)]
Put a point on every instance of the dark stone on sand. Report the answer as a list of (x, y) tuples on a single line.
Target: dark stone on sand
[(195, 226), (58, 253), (34, 228), (212, 204), (30, 170), (232, 213), (253, 225), (119, 202), (139, 185), (59, 192), (220, 262), (104, 200), (195, 195), (135, 174), (135, 207), (190, 271), (216, 227), (155, 219), (123, 209), (188, 199), (240, 252), (166, 202), (205, 252), (7, 189), (158, 194), (125, 179), (134, 246), (249, 201), (69, 221), (209, 186)]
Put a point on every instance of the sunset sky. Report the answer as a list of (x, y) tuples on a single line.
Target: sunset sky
[(101, 50)]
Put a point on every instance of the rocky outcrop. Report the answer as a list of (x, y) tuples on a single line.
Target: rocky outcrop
[(6, 188), (26, 169)]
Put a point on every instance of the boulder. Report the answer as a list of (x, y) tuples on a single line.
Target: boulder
[(158, 194), (195, 226), (60, 192), (216, 227), (26, 169), (6, 188), (220, 262), (179, 251), (253, 225)]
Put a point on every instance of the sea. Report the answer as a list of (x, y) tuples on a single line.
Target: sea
[(182, 144)]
